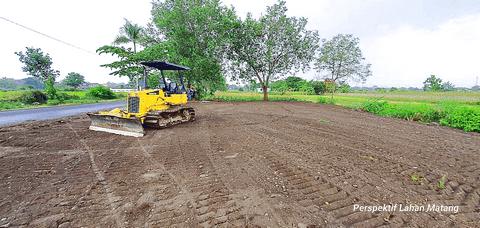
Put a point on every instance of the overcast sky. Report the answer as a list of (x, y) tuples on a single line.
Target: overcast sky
[(405, 40)]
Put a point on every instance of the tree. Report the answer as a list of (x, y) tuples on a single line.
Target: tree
[(8, 83), (129, 33), (198, 29), (35, 82), (435, 84), (448, 86), (280, 85), (343, 59), (74, 80), (270, 47), (40, 66), (129, 62), (432, 83), (305, 87), (344, 87), (318, 87), (294, 83)]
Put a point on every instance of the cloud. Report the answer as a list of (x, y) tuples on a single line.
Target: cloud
[(407, 55)]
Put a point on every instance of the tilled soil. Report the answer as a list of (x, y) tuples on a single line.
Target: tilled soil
[(241, 164)]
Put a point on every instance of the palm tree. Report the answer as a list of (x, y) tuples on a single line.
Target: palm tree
[(129, 33)]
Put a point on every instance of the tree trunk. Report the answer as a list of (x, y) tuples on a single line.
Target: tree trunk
[(265, 93), (333, 90)]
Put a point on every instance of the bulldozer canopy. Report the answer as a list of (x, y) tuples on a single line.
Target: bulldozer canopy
[(165, 66)]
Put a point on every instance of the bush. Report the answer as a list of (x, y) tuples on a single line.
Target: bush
[(323, 100), (66, 96), (54, 102), (326, 100), (373, 105), (463, 117), (70, 89), (31, 97), (101, 92)]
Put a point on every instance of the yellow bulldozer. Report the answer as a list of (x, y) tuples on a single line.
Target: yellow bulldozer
[(158, 108)]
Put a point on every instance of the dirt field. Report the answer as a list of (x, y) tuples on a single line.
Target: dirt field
[(241, 164)]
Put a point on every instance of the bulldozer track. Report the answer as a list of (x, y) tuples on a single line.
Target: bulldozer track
[(170, 117)]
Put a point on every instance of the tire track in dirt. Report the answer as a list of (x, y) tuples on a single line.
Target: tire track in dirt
[(44, 175), (212, 205), (428, 191), (339, 141), (305, 188), (179, 210), (253, 208), (340, 200), (309, 189), (100, 176)]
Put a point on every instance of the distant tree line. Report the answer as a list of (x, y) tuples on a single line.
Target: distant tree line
[(32, 83)]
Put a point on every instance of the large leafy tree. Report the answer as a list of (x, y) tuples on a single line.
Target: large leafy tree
[(198, 29), (39, 65), (74, 80), (432, 83), (342, 59), (271, 47), (435, 84), (128, 63), (35, 82), (8, 83), (129, 60)]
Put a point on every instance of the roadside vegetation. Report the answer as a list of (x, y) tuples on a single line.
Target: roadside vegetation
[(36, 98)]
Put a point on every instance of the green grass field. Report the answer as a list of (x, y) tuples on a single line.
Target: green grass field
[(354, 99)]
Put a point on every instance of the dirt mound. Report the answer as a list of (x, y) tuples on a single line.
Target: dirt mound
[(242, 164)]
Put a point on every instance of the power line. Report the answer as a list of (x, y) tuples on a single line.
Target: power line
[(49, 36)]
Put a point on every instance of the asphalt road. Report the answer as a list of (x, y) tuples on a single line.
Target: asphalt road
[(18, 116)]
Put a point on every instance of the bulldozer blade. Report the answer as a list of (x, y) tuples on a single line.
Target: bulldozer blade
[(116, 125)]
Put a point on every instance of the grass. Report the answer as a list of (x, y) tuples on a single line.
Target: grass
[(8, 100), (441, 184), (455, 109), (415, 177)]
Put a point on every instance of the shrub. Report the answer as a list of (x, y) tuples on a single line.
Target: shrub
[(66, 96), (373, 105), (463, 117), (54, 102), (31, 97), (101, 92), (323, 100), (326, 100), (345, 89)]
